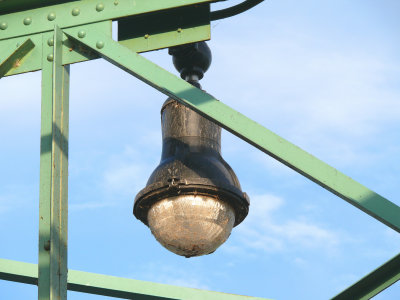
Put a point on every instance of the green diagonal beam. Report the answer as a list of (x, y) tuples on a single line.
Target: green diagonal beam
[(287, 153), (11, 57), (111, 286), (374, 283)]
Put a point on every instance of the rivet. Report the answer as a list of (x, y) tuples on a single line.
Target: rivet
[(18, 44), (146, 36), (99, 7), (50, 57), (116, 2), (50, 42), (51, 16), (99, 44), (46, 246), (3, 25), (81, 34), (75, 12), (27, 21), (179, 30)]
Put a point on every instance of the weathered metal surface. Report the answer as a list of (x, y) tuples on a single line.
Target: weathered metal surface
[(292, 156), (81, 12), (70, 55), (374, 283), (113, 286), (8, 6), (167, 28), (12, 54), (53, 203)]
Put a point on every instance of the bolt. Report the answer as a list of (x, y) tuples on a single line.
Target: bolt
[(51, 16), (27, 21), (3, 25), (50, 57), (46, 246), (99, 7), (99, 44), (50, 42), (116, 2), (146, 36), (81, 34), (179, 30), (75, 12)]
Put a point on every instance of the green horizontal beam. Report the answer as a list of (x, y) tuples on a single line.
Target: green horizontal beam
[(33, 61), (111, 286), (8, 6), (79, 13), (246, 129), (18, 271), (374, 283), (162, 29), (11, 55)]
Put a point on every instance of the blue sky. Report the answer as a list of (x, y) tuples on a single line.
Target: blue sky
[(322, 74)]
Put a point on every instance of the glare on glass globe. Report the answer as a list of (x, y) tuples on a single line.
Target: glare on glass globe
[(191, 225)]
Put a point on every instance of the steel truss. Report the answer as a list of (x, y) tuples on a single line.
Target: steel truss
[(50, 38)]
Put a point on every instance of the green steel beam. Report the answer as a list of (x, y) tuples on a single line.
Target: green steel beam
[(11, 54), (173, 27), (16, 271), (70, 55), (113, 286), (162, 29), (79, 13), (374, 283), (53, 206), (243, 127), (8, 6)]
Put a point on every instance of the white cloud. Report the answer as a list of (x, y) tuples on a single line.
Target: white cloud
[(331, 101), (89, 206), (17, 196), (168, 274), (266, 232), (127, 173)]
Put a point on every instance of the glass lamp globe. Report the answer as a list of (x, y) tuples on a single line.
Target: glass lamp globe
[(191, 225)]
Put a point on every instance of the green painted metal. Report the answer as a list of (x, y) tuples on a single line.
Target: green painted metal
[(16, 271), (170, 37), (8, 6), (12, 54), (33, 61), (163, 29), (29, 41), (53, 203), (374, 283), (292, 156), (113, 286), (81, 12)]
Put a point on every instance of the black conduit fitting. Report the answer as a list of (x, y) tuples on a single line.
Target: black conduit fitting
[(234, 10)]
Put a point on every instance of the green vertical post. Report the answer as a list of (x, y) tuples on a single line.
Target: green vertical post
[(53, 199)]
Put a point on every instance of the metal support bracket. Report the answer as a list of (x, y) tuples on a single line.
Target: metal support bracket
[(13, 59)]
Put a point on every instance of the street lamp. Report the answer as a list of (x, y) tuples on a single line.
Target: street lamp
[(193, 199)]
